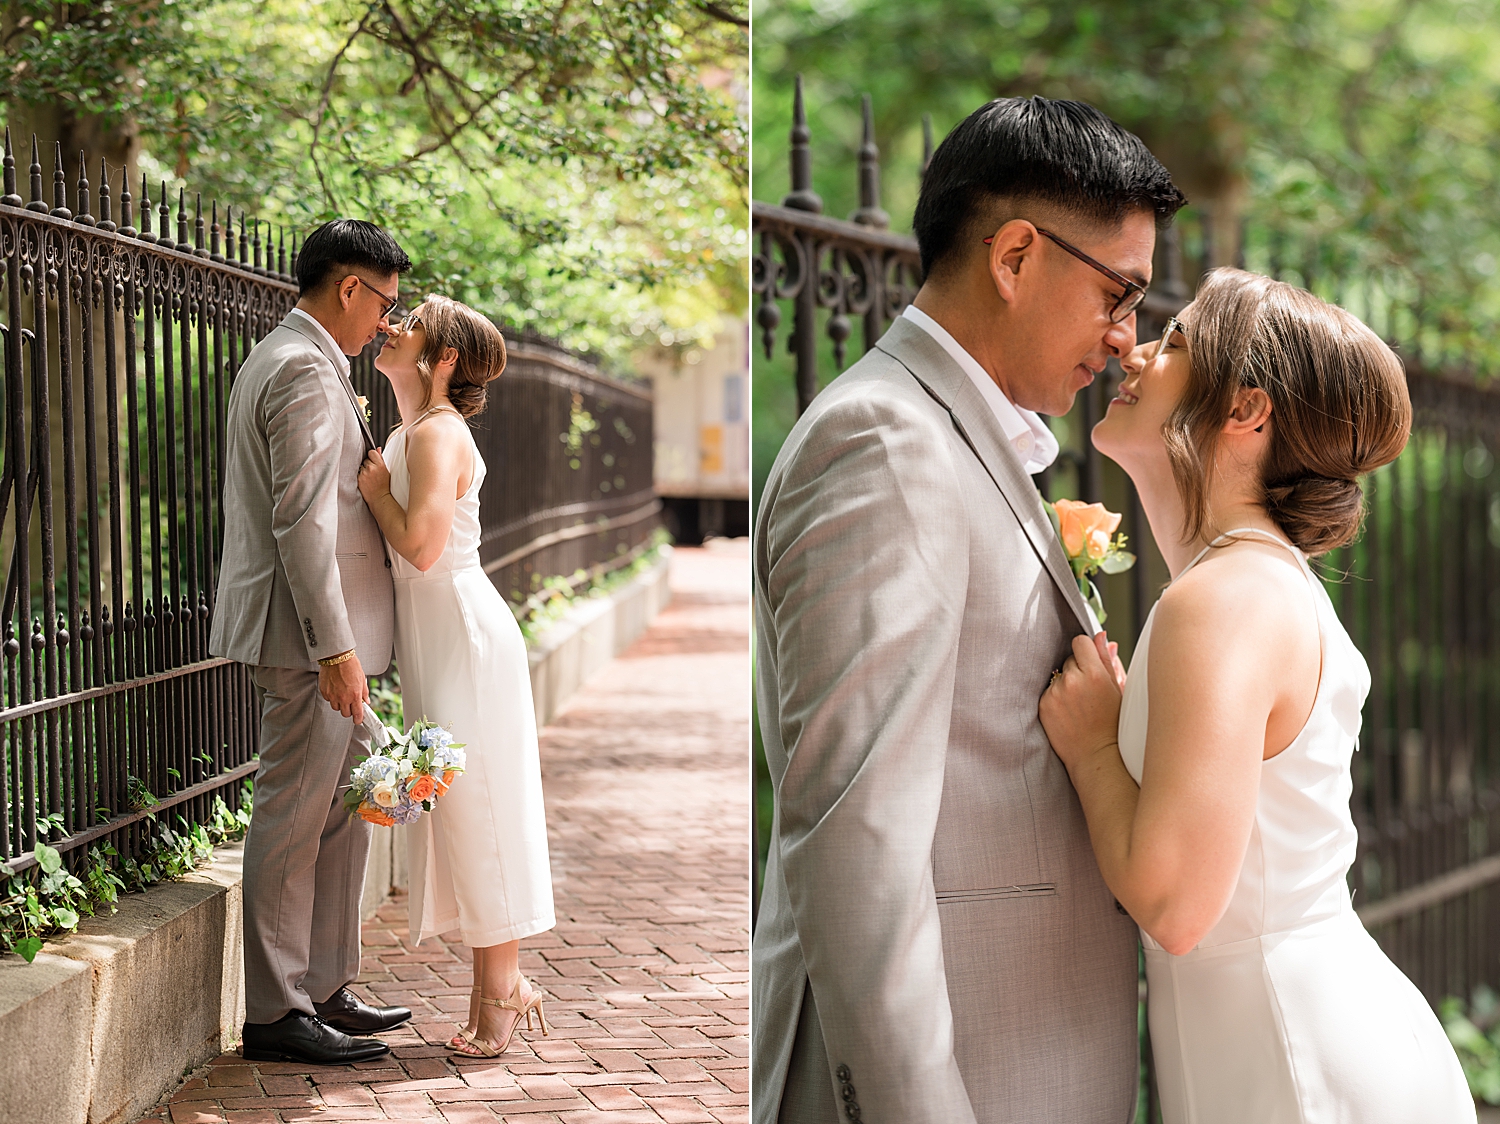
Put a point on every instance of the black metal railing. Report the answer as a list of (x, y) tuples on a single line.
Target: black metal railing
[(121, 335), (1415, 591)]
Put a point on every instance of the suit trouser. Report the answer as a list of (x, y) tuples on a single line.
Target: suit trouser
[(304, 856)]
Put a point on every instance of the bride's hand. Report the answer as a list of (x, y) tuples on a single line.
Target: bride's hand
[(374, 477), (1080, 710)]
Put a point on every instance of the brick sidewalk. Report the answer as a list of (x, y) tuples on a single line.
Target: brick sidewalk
[(646, 784)]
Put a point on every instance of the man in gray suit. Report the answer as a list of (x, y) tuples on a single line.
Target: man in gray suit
[(935, 943), (304, 598)]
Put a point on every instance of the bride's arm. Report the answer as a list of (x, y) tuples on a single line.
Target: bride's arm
[(1171, 850), (436, 463)]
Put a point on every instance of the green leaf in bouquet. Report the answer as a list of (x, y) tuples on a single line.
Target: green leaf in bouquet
[(1117, 562), (1091, 595)]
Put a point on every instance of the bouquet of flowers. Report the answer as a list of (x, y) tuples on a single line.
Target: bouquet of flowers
[(1085, 530), (405, 775)]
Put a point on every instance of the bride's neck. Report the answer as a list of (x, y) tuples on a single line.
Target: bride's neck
[(411, 407), (1232, 504)]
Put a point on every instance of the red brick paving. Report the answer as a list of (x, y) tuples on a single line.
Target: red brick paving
[(646, 782)]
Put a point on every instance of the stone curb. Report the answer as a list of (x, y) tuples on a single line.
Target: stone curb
[(109, 1018)]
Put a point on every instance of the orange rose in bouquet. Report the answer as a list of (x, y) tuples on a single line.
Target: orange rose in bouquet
[(1085, 530)]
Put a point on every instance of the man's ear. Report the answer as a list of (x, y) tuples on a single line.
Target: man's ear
[(1011, 248), (346, 290), (1251, 411)]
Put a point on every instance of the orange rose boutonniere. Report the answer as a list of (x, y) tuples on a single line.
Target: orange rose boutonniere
[(1085, 530)]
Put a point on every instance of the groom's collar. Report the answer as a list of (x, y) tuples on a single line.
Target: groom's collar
[(308, 325), (1035, 446)]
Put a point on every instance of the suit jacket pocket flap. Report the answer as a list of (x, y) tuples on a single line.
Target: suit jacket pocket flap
[(993, 893)]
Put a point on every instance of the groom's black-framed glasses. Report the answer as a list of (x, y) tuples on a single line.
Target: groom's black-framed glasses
[(390, 302), (1128, 301)]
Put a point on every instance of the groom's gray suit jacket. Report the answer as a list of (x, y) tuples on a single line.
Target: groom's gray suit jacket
[(935, 943), (304, 574)]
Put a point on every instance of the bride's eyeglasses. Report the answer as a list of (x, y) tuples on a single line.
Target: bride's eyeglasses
[(1175, 332), (408, 322)]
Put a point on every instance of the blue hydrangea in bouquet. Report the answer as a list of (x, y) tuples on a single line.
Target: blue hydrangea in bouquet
[(405, 775)]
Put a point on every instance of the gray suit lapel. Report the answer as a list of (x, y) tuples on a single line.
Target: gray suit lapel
[(976, 423), (295, 324)]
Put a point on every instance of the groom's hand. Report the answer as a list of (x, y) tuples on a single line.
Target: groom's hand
[(345, 687)]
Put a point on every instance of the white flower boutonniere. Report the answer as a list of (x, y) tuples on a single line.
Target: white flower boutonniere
[(1085, 530), (364, 406)]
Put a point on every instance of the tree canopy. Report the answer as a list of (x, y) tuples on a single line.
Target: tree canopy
[(1354, 137), (570, 166)]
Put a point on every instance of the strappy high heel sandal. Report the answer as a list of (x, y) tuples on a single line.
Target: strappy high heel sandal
[(463, 1037), (522, 1007)]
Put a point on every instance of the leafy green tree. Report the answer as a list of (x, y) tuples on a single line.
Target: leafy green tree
[(1351, 137), (576, 168)]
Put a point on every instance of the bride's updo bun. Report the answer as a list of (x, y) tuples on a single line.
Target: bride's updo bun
[(480, 347), (1339, 406)]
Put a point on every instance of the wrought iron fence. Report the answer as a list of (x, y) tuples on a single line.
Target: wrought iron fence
[(1415, 590), (121, 336)]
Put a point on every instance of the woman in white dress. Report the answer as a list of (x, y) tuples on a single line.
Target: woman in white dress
[(478, 861), (1217, 787)]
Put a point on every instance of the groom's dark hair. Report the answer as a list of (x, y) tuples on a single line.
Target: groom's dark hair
[(348, 244), (1062, 154)]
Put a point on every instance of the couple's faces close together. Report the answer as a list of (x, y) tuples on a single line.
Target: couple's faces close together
[(1065, 328)]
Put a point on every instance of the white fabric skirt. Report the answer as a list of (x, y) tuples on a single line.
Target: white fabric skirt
[(1310, 1026), (478, 861)]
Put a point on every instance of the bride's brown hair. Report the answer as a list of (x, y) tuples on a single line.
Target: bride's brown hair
[(481, 351), (1339, 406)]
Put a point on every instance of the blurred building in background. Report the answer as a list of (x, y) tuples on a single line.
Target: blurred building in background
[(702, 434)]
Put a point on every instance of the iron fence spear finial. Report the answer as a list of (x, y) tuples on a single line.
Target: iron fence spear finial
[(164, 218), (802, 197), (182, 228), (127, 219), (106, 215), (926, 142), (11, 199), (869, 212), (244, 242), (255, 242), (198, 247), (83, 215), (214, 253), (36, 204), (296, 245), (281, 250), (145, 234), (59, 186)]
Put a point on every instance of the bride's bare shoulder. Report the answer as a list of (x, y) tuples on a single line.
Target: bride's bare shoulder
[(1253, 591)]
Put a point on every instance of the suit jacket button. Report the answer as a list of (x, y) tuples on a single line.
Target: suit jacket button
[(387, 563), (842, 1073)]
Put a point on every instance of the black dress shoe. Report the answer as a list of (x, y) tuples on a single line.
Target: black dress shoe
[(344, 1011), (299, 1037)]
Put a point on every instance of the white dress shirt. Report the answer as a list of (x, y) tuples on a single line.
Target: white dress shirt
[(333, 343), (1035, 446)]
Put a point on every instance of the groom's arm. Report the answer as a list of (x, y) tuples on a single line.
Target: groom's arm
[(301, 417), (867, 579)]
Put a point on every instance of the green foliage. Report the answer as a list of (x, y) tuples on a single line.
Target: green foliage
[(385, 699), (1475, 1034), (573, 169), (1356, 137), (49, 899), (559, 594)]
